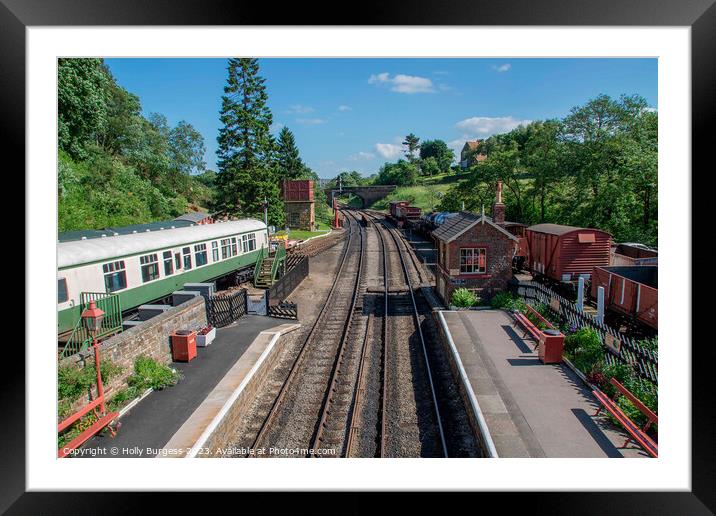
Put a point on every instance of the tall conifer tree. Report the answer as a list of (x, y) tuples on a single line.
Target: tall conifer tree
[(247, 168)]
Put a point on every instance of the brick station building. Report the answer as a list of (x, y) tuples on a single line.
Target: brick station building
[(475, 252)]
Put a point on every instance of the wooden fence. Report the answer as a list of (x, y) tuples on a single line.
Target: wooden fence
[(619, 348), (283, 287), (223, 309)]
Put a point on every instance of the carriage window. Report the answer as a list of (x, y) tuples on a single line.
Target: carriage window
[(115, 277), (200, 256), (472, 260), (225, 248), (245, 243), (150, 267), (177, 261), (215, 251), (234, 249), (252, 241), (187, 258), (168, 263), (62, 290)]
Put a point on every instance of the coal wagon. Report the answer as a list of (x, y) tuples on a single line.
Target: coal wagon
[(629, 290)]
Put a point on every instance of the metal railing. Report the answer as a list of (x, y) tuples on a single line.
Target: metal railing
[(80, 339)]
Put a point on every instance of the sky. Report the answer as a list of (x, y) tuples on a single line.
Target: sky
[(352, 114)]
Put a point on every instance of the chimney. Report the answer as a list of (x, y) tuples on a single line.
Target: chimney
[(498, 209)]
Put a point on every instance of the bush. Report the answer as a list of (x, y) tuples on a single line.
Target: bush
[(463, 298), (73, 382), (507, 301), (585, 347)]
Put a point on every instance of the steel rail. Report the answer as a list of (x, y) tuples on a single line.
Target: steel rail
[(268, 421), (327, 402), (354, 427), (416, 318)]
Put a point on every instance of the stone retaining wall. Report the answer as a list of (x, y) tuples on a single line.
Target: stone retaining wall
[(151, 338)]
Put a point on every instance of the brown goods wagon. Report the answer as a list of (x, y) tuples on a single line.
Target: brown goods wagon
[(394, 205), (634, 254), (630, 290), (297, 190), (564, 253), (408, 212)]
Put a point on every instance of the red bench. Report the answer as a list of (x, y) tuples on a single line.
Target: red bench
[(637, 434), (528, 326)]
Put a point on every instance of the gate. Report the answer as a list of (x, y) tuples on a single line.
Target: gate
[(256, 304), (223, 309)]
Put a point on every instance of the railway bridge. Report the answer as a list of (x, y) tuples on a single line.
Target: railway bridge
[(368, 194)]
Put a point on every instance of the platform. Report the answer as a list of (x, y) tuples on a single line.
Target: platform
[(531, 409), (154, 421)]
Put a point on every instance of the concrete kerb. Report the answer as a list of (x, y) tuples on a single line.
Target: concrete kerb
[(196, 447), (474, 405)]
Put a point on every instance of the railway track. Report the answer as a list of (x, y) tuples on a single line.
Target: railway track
[(315, 398), (364, 383)]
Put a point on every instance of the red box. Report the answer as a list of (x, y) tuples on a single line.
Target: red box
[(550, 347), (183, 346)]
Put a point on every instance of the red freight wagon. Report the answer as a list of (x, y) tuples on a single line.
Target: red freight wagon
[(406, 212), (394, 205), (518, 229), (564, 253), (300, 190), (630, 290)]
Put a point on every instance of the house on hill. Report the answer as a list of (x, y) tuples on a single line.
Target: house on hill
[(475, 252), (469, 155)]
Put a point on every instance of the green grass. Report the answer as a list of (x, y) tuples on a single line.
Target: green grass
[(426, 195)]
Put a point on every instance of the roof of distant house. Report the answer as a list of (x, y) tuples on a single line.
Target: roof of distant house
[(193, 216)]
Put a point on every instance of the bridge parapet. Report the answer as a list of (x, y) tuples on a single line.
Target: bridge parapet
[(368, 194)]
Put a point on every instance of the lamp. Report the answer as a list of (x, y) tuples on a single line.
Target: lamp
[(92, 318)]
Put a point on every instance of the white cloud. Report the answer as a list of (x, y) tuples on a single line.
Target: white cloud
[(484, 126), (502, 68), (389, 150), (299, 109), (402, 83), (361, 156), (344, 108), (310, 121)]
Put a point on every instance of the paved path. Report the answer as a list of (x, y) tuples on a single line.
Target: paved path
[(531, 409), (154, 420)]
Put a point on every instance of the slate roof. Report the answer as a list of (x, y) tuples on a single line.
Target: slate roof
[(193, 216), (456, 226)]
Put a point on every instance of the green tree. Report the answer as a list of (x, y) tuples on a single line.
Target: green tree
[(186, 149), (247, 171), (288, 157), (412, 144), (81, 104), (438, 149)]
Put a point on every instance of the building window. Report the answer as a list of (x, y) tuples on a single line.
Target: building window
[(215, 251), (168, 263), (150, 267), (115, 277), (234, 249), (187, 258), (225, 248), (62, 290), (200, 256), (472, 260)]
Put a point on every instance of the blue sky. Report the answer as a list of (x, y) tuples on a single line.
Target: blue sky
[(352, 114)]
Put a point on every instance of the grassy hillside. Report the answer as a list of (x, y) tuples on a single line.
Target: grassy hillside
[(426, 195)]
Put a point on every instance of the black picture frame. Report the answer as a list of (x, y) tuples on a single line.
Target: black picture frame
[(700, 15)]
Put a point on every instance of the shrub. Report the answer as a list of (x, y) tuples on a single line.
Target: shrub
[(463, 298), (73, 382), (506, 301), (586, 348)]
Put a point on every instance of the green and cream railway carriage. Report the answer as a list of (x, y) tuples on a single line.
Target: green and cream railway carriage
[(147, 266)]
